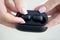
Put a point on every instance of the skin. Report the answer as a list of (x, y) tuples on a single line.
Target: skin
[(6, 18), (53, 9)]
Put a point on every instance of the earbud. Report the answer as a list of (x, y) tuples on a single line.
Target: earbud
[(26, 17), (39, 18)]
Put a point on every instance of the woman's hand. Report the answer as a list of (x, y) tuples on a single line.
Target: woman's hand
[(52, 8), (6, 16)]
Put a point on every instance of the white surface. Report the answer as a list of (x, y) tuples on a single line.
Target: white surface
[(13, 34)]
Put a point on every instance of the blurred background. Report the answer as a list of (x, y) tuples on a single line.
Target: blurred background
[(7, 33)]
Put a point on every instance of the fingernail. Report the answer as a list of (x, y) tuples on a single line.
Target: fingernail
[(24, 11), (23, 22), (42, 9), (49, 16)]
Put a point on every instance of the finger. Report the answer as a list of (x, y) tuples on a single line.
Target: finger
[(13, 19), (10, 6), (2, 21), (52, 16), (20, 6), (52, 13), (47, 6), (12, 25), (58, 8), (12, 13), (54, 21), (8, 17)]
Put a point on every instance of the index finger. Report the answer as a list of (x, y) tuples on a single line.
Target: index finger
[(20, 6)]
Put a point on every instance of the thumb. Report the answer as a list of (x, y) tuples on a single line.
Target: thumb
[(49, 5)]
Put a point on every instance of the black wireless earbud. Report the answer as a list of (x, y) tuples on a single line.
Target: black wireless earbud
[(38, 18), (26, 17)]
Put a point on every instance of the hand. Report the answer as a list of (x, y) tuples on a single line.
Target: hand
[(6, 16), (52, 8)]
